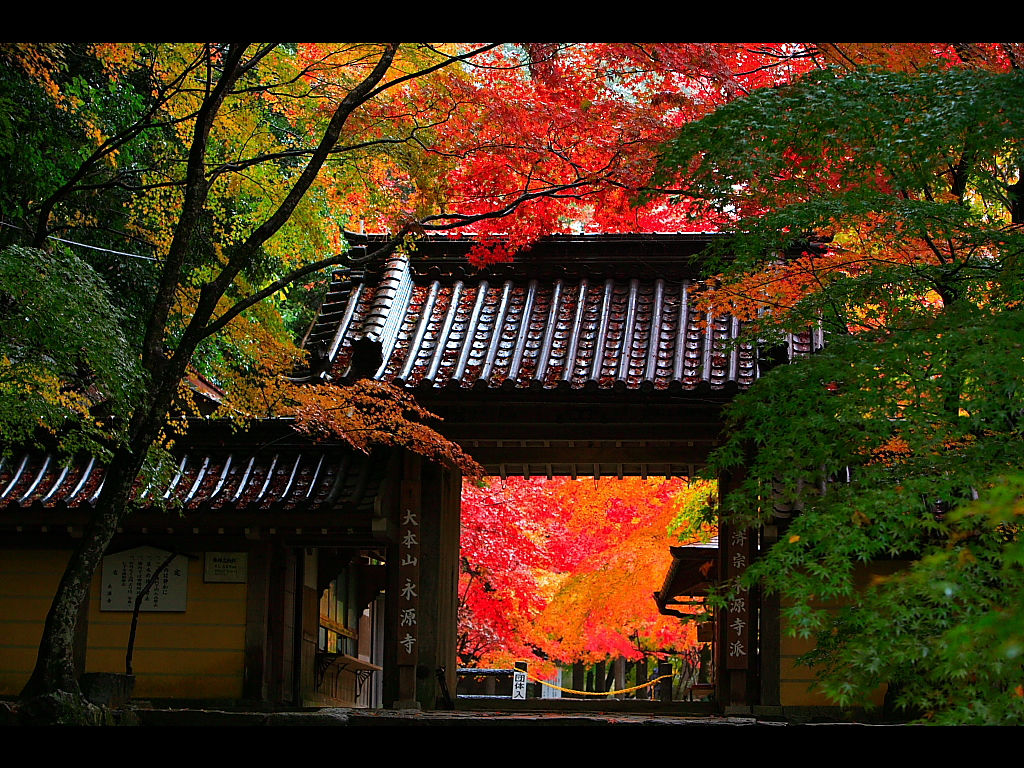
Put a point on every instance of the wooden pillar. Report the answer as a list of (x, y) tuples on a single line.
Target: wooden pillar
[(579, 679), (619, 666), (309, 622), (293, 606), (254, 681), (641, 678), (737, 626), (439, 550), (408, 614), (392, 685), (280, 639), (422, 615), (665, 668), (291, 622)]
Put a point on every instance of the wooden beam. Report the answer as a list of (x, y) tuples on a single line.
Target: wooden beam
[(527, 427), (603, 455), (254, 685), (159, 521)]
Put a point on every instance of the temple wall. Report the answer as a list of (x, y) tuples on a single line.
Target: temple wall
[(28, 581), (195, 654), (795, 680)]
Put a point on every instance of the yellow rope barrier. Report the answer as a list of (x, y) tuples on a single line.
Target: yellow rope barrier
[(594, 693)]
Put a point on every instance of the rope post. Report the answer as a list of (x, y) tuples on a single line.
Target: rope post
[(665, 673), (641, 679), (579, 678)]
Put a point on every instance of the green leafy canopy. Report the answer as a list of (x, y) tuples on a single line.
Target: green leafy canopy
[(896, 450), (63, 352)]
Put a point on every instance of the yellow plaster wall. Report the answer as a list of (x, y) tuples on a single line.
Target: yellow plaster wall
[(195, 654), (28, 581), (198, 654), (794, 680)]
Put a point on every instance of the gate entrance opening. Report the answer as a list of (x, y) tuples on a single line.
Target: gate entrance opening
[(561, 574)]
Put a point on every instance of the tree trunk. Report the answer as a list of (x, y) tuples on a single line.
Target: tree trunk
[(55, 664), (54, 670), (55, 667)]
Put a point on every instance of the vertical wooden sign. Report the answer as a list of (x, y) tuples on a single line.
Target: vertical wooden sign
[(409, 587), (519, 681), (738, 630), (406, 614)]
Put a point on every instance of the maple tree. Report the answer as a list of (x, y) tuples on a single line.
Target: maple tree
[(564, 570), (39, 372), (208, 180), (506, 552), (886, 206), (215, 178), (615, 556)]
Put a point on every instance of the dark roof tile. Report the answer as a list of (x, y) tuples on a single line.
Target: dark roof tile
[(289, 480), (631, 331)]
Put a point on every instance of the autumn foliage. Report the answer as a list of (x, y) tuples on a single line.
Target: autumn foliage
[(502, 141), (881, 200), (208, 180), (214, 177), (897, 158), (564, 570)]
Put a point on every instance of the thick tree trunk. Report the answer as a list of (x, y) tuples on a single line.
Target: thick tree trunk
[(54, 670), (55, 664)]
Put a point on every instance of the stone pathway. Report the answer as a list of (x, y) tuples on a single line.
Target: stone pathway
[(346, 717)]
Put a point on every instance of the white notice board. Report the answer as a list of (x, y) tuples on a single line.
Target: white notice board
[(226, 567), (127, 573)]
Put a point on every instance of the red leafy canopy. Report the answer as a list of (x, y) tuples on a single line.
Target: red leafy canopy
[(556, 136), (505, 547), (566, 569)]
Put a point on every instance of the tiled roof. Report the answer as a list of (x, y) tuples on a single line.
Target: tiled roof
[(619, 328), (299, 480), (693, 570)]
